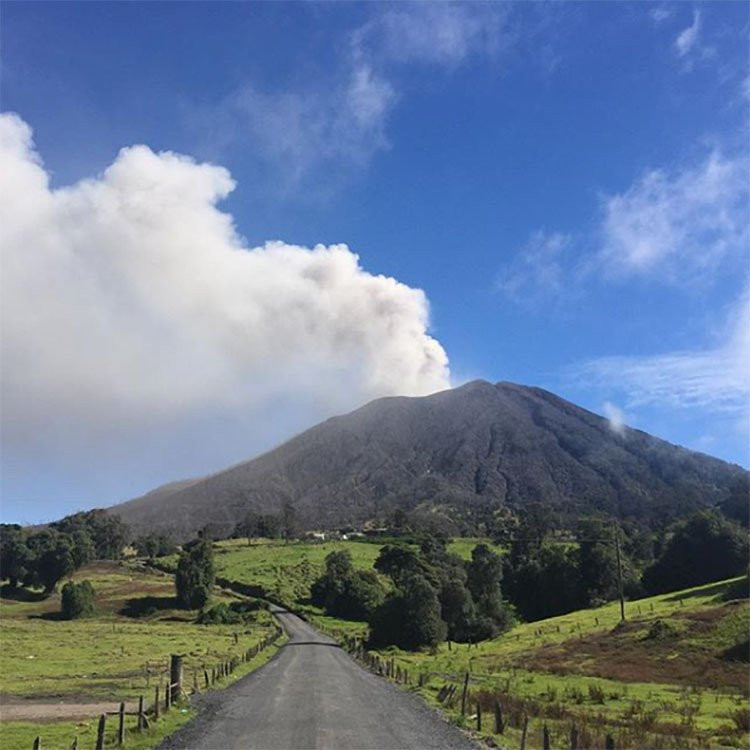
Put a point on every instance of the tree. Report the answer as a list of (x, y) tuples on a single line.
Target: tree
[(289, 522), (545, 583), (107, 531), (424, 626), (706, 547), (154, 545), (399, 563), (83, 548), (16, 559), (78, 600), (737, 504), (345, 592), (409, 618), (457, 609), (483, 576), (53, 558), (195, 576)]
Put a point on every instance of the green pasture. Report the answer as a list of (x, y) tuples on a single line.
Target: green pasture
[(117, 655), (519, 666)]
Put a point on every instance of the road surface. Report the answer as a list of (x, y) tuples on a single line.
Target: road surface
[(313, 695)]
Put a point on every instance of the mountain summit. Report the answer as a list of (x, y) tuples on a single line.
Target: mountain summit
[(479, 444)]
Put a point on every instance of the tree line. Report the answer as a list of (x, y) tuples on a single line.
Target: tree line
[(42, 557), (432, 595)]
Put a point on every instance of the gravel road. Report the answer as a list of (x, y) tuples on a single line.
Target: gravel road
[(313, 695)]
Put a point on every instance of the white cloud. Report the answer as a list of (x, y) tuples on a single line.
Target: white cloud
[(129, 301), (327, 129), (616, 418), (717, 379), (438, 33), (678, 225), (690, 47), (660, 13), (318, 133), (688, 37), (539, 268)]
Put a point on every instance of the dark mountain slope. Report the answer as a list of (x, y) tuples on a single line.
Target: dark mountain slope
[(480, 443)]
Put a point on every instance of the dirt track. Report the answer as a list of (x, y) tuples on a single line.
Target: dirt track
[(56, 711)]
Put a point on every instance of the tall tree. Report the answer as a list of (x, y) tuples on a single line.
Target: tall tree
[(195, 576)]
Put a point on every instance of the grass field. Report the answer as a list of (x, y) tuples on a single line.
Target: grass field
[(118, 655), (659, 680)]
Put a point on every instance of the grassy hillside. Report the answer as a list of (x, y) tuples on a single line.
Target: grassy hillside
[(286, 570), (674, 675), (117, 655)]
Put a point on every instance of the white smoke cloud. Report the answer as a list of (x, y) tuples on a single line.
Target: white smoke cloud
[(129, 300), (616, 418)]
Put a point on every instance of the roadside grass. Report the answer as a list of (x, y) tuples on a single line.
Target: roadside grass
[(119, 654)]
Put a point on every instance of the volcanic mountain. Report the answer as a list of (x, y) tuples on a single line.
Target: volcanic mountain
[(479, 445)]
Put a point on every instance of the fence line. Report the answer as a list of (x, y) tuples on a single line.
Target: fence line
[(173, 691)]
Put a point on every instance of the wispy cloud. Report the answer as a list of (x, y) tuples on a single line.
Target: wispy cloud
[(715, 378), (660, 13), (538, 269), (677, 224), (689, 45), (688, 38), (325, 130), (436, 33)]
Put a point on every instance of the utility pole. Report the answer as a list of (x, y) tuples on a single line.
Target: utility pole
[(616, 532)]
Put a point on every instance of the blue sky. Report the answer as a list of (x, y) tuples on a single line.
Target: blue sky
[(567, 184)]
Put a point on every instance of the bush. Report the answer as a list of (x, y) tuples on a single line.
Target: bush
[(235, 613), (78, 600)]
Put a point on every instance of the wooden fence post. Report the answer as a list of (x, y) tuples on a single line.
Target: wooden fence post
[(524, 731), (545, 738), (573, 738), (479, 717), (499, 723), (37, 743), (141, 714), (175, 676), (100, 730), (609, 742), (167, 699), (121, 725), (463, 695), (156, 702)]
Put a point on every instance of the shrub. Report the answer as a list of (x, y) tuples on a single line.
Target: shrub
[(78, 600), (741, 719), (234, 613)]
